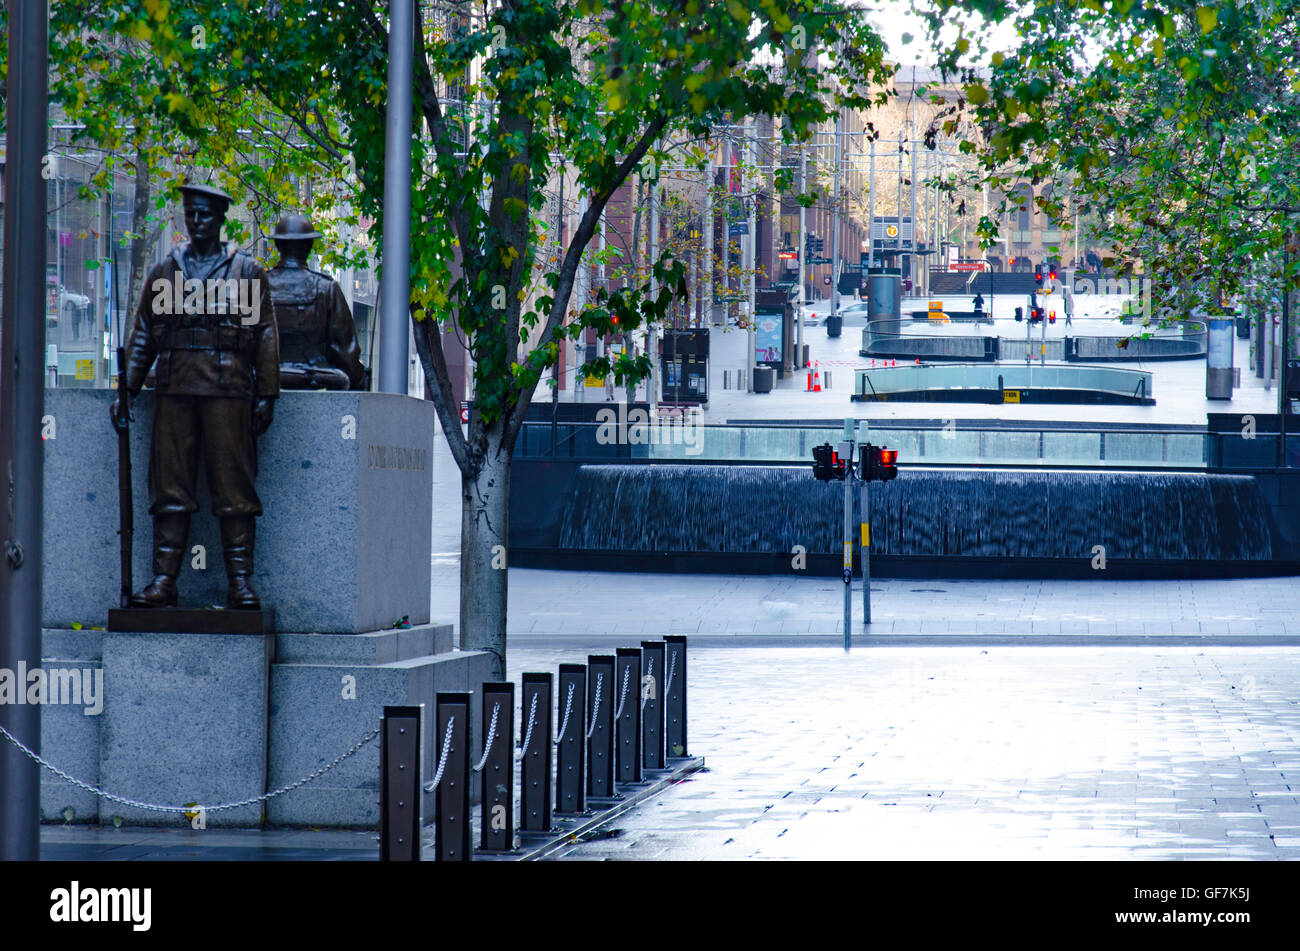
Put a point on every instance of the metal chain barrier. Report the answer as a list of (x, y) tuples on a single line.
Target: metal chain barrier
[(185, 809), (492, 735), (595, 703), (442, 760), (627, 672), (672, 669), (528, 733), (568, 708)]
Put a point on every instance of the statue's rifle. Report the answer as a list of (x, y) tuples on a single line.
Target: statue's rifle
[(122, 423)]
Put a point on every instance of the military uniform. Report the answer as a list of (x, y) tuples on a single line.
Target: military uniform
[(210, 367), (318, 340)]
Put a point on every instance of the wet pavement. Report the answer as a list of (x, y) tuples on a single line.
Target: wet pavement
[(979, 753), (921, 753)]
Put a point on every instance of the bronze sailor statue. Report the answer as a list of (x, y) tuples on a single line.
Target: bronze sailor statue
[(206, 326)]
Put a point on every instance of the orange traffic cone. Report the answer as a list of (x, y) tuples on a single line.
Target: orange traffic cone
[(810, 389), (918, 361), (893, 363), (817, 378)]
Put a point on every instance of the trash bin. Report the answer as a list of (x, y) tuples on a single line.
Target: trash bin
[(834, 324), (1243, 328), (764, 379)]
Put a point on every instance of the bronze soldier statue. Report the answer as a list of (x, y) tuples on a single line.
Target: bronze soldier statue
[(207, 320), (318, 341)]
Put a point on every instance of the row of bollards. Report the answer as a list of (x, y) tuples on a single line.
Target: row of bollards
[(618, 716)]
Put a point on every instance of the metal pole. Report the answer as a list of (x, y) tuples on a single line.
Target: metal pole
[(706, 300), (898, 239), (871, 214), (1282, 371), (848, 544), (864, 437), (651, 337), (751, 255), (803, 250), (22, 404), (916, 280), (835, 225), (394, 354)]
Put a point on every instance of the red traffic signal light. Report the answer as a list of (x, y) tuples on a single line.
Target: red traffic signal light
[(1052, 274), (1051, 317), (827, 464), (1038, 274), (881, 464)]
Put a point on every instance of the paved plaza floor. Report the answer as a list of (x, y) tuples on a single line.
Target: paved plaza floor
[(921, 753), (979, 753)]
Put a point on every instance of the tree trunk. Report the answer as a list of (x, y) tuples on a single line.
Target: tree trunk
[(483, 552)]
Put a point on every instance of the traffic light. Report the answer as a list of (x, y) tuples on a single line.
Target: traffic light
[(1035, 315), (827, 464), (1020, 314), (881, 464), (1051, 317), (1038, 275), (1051, 273)]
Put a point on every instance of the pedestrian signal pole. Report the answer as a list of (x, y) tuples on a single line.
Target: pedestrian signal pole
[(846, 451), (864, 433)]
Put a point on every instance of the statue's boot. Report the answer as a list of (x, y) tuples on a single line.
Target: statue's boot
[(169, 535), (237, 534)]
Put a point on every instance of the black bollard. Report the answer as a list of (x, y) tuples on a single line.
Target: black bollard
[(600, 727), (570, 790), (652, 704), (399, 784), (627, 715), (498, 765), (535, 774), (451, 830), (675, 697)]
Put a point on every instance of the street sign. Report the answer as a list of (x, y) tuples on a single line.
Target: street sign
[(788, 255)]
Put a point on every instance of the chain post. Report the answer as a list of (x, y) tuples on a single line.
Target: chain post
[(600, 744), (652, 704), (399, 784), (451, 830), (535, 773), (675, 697), (498, 776), (627, 762), (570, 766)]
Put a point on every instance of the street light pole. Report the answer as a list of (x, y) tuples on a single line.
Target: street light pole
[(835, 228), (394, 352), (22, 404)]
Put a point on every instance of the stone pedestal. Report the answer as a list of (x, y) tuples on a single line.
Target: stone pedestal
[(185, 720), (217, 718), (346, 483), (342, 556)]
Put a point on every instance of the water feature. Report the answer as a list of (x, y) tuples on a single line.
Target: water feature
[(1143, 515)]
